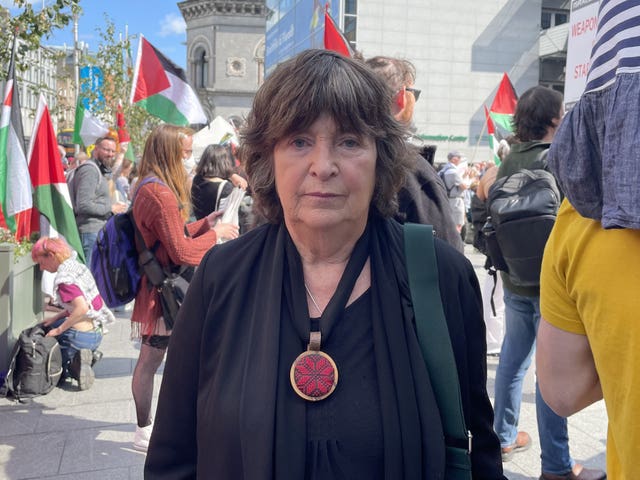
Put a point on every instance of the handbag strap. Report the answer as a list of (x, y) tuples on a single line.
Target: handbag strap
[(219, 194), (151, 262), (433, 334)]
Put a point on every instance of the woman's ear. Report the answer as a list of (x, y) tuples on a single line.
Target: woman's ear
[(401, 99)]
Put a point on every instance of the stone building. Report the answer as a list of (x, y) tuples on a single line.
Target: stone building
[(225, 53)]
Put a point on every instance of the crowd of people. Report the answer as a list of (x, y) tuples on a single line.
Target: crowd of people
[(307, 308)]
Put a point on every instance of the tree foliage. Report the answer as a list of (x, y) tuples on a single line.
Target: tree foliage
[(113, 57), (31, 27)]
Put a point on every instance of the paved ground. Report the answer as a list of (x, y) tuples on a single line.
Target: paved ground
[(88, 435)]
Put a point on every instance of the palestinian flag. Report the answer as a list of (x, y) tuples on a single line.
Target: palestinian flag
[(129, 152), (87, 128), (503, 108), (51, 193), (161, 88), (333, 38), (15, 188), (123, 133), (493, 141)]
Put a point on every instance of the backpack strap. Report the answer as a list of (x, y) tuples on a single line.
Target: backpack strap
[(435, 343), (149, 262), (443, 174)]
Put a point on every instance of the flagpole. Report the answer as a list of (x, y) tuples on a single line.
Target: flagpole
[(479, 138), (76, 67)]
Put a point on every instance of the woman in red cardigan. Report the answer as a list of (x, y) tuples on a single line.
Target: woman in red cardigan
[(161, 209)]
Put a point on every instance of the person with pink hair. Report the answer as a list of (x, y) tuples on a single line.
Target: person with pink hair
[(78, 327)]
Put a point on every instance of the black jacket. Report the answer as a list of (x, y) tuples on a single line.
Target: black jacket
[(219, 411), (423, 199)]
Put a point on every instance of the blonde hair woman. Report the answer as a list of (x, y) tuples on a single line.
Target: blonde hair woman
[(161, 208)]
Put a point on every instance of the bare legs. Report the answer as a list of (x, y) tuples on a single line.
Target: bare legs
[(149, 361)]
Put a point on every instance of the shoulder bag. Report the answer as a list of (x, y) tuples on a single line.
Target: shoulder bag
[(435, 343)]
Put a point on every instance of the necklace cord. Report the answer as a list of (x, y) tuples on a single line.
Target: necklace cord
[(315, 304)]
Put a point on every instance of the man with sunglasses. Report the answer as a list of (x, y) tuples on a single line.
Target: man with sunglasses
[(423, 198)]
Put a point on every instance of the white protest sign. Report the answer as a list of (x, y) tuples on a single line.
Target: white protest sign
[(583, 24)]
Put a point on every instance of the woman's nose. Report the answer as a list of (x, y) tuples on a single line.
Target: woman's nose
[(323, 161)]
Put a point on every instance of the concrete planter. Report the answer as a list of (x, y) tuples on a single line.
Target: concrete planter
[(20, 299)]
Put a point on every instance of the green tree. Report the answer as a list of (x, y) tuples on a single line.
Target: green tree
[(31, 27), (113, 58)]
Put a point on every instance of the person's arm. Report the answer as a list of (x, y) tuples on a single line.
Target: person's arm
[(157, 208), (566, 370), (459, 182), (238, 181), (79, 309), (61, 314)]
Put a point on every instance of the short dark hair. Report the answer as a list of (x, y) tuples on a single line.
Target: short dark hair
[(296, 94), (216, 161), (99, 140), (535, 111), (396, 72)]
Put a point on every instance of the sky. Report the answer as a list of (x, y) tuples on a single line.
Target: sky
[(160, 21)]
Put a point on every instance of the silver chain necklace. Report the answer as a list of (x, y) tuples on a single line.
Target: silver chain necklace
[(315, 304)]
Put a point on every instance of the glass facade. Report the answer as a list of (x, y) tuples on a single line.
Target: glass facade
[(295, 25)]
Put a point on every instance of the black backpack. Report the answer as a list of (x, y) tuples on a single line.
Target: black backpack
[(478, 219), (522, 209), (35, 367)]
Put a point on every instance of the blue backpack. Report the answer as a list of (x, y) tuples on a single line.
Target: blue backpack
[(114, 258)]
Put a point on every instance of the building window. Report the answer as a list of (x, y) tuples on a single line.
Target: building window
[(351, 21), (201, 68), (551, 18)]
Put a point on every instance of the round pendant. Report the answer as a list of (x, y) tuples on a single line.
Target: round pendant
[(314, 375)]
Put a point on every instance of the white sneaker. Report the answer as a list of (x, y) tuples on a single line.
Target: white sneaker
[(142, 437)]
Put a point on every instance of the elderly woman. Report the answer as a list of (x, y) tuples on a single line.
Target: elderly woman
[(78, 327), (325, 159)]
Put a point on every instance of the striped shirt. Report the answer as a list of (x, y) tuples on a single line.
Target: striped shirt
[(616, 48)]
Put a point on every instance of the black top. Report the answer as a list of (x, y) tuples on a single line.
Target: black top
[(204, 193), (344, 433)]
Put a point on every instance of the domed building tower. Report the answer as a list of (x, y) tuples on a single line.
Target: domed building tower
[(225, 52)]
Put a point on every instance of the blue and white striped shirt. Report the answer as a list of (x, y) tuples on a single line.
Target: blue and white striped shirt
[(617, 44)]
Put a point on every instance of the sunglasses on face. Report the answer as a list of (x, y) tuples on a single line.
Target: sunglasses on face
[(415, 91)]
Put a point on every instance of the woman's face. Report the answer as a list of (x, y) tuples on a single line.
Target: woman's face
[(324, 177), (48, 263)]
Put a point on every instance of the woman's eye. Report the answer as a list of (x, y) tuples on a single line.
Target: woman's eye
[(350, 143), (299, 142)]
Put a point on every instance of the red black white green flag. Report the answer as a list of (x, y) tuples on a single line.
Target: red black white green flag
[(123, 133), (51, 193), (15, 188), (333, 37), (161, 88), (503, 108)]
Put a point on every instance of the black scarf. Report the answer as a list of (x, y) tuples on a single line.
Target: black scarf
[(413, 437)]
